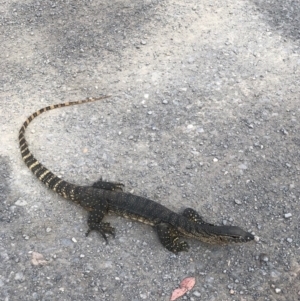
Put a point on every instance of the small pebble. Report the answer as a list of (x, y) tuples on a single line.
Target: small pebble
[(48, 230), (289, 240), (263, 257), (215, 160), (196, 293), (21, 203), (277, 290), (288, 215), (238, 202), (19, 276), (74, 239)]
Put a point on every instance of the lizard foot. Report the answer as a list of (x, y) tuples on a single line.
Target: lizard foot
[(183, 246), (102, 228), (108, 185)]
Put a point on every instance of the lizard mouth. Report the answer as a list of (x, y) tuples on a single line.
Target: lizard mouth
[(237, 238), (228, 234)]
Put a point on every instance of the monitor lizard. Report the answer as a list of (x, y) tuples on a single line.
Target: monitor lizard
[(104, 197)]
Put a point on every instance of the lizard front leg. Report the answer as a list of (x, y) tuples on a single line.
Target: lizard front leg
[(95, 221), (194, 216), (169, 237)]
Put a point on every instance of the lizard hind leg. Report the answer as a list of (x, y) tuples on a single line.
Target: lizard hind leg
[(113, 186), (95, 222), (194, 216), (169, 237)]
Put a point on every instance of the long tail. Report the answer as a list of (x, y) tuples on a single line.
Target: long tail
[(41, 172)]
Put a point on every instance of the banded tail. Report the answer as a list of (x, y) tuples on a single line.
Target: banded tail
[(52, 181)]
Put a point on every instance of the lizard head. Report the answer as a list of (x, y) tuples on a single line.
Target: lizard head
[(227, 234)]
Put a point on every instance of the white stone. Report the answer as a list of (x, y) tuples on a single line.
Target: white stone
[(20, 202)]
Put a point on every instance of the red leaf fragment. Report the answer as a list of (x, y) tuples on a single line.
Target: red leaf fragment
[(184, 286), (178, 292), (188, 283)]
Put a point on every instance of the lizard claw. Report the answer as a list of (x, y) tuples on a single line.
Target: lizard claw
[(102, 228)]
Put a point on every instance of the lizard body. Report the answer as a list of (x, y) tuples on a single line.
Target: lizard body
[(103, 197)]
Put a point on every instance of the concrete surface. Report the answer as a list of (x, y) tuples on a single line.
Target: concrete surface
[(204, 113)]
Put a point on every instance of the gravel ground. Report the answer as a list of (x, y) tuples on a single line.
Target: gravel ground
[(204, 113)]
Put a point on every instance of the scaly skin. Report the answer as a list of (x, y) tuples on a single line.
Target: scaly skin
[(103, 197)]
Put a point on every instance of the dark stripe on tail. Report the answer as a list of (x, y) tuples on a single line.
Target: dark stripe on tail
[(40, 171)]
